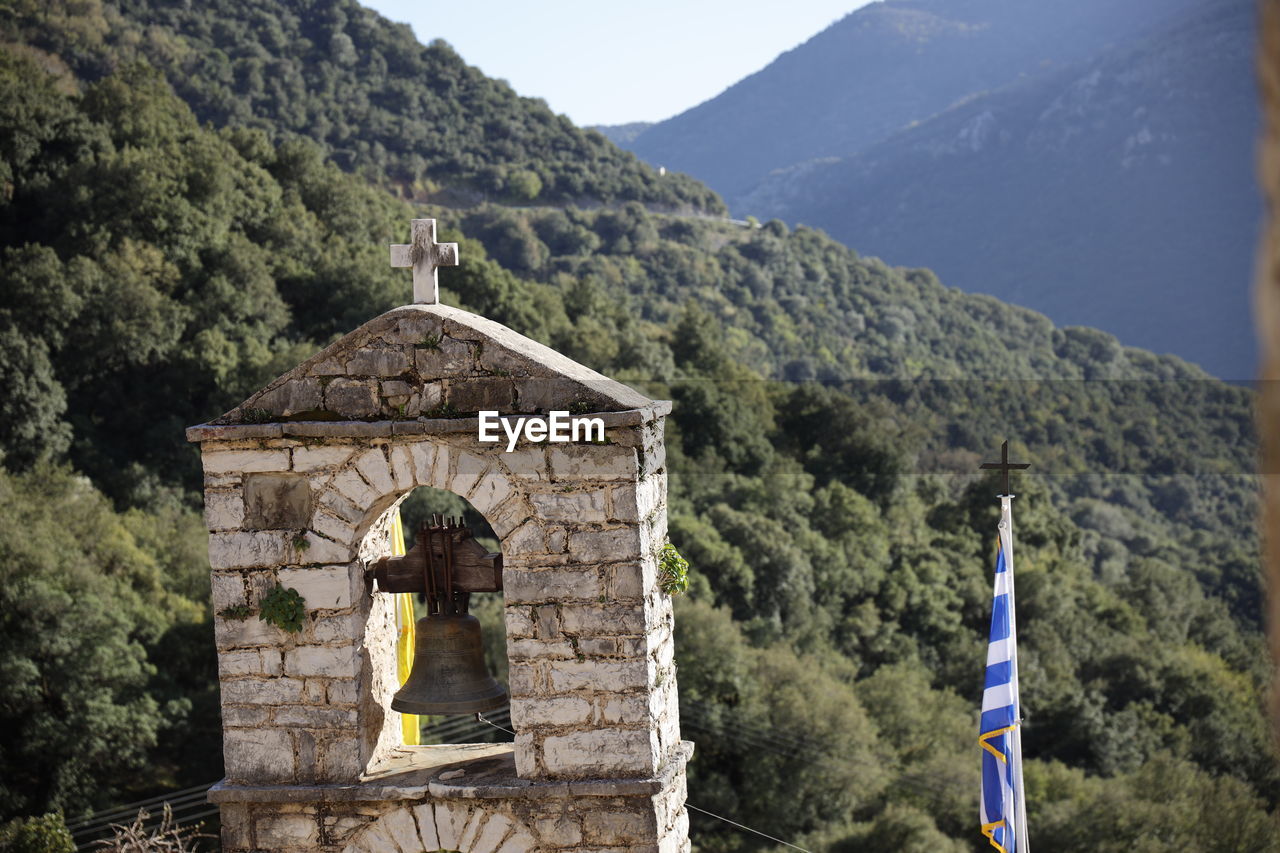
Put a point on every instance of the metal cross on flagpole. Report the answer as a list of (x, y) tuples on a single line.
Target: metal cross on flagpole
[(1001, 727), (1005, 466)]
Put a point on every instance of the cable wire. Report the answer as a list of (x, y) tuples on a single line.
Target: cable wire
[(744, 826)]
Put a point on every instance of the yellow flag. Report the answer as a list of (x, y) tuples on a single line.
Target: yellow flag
[(404, 637)]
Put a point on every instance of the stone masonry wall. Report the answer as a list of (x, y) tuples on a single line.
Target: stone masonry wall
[(589, 634)]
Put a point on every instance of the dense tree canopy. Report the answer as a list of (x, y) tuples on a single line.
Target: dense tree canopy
[(831, 412)]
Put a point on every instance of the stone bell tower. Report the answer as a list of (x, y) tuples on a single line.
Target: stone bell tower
[(301, 481)]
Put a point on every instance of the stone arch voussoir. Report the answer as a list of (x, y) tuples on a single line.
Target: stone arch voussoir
[(444, 826)]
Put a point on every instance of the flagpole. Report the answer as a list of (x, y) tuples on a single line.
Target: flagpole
[(1019, 795)]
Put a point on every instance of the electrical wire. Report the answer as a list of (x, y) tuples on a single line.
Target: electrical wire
[(744, 826)]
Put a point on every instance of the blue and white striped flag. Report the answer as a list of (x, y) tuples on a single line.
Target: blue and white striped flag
[(1003, 812)]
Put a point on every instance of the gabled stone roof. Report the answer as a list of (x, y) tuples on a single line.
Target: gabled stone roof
[(433, 361)]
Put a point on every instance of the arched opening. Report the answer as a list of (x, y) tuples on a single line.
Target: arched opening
[(423, 505)]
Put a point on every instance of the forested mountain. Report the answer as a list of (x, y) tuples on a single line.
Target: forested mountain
[(379, 102), (1101, 173), (830, 414)]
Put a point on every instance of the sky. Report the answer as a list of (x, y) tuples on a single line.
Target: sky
[(618, 61)]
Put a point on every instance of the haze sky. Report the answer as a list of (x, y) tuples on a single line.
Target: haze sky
[(610, 62)]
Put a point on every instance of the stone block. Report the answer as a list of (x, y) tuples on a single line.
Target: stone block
[(402, 467), (469, 833), (416, 328), (251, 631), (318, 549), (312, 717), (371, 361), (317, 458), (235, 716), (451, 819), (447, 358), (528, 463), (351, 485), (246, 662), (328, 628), (626, 582), (599, 676), (424, 462), (601, 752), (548, 621), (495, 830), (236, 827), (343, 691), (567, 711), (244, 461), (618, 827), (402, 829), (227, 590), (257, 755), (534, 587), (425, 817), (223, 509), (624, 709), (340, 759), (291, 397), (518, 621), (593, 462), (352, 398), (276, 501), (327, 588), (521, 678), (341, 506), (373, 466), (520, 842), (326, 661), (332, 527), (604, 546), (249, 549), (582, 507), (539, 649), (559, 831), (480, 395), (287, 831), (262, 691), (601, 619), (526, 753)]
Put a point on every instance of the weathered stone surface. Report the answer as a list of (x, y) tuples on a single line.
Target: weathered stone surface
[(292, 397), (534, 587), (571, 506), (376, 470), (262, 691), (609, 827), (223, 509), (259, 754), (602, 546), (250, 549), (449, 357), (327, 661), (287, 831), (276, 501), (600, 676), (551, 712), (602, 619), (352, 398), (599, 752), (244, 461), (327, 588), (481, 395), (593, 462), (377, 362), (315, 458)]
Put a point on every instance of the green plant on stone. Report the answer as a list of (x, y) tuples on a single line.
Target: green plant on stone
[(256, 416), (430, 342), (673, 571), (284, 608)]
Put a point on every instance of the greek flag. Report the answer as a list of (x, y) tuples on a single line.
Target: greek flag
[(1003, 812)]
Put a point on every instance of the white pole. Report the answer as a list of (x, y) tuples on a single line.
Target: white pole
[(1019, 798)]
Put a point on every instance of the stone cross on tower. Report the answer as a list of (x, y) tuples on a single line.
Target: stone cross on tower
[(425, 256)]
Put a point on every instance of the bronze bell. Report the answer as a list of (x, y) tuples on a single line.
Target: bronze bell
[(449, 675), (447, 565)]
